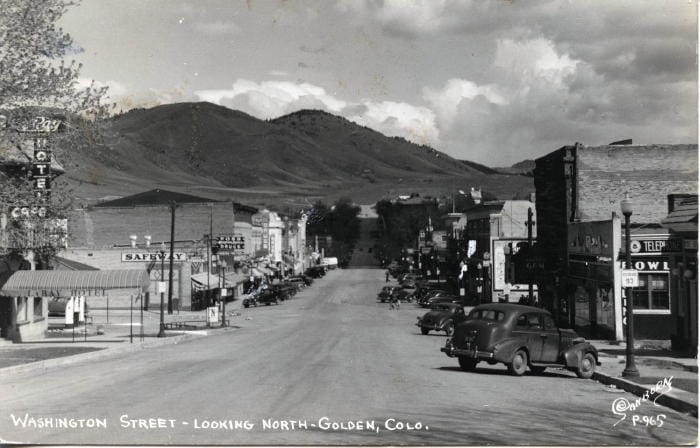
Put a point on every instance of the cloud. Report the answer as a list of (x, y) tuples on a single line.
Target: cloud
[(445, 101), (414, 123), (270, 99), (414, 18)]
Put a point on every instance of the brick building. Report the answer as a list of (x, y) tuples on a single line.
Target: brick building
[(100, 236), (580, 184)]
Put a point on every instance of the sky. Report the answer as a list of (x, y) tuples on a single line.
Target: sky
[(491, 81)]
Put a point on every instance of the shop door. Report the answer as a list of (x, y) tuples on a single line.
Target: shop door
[(5, 316)]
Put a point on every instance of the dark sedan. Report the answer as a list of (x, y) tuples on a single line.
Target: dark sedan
[(441, 317), (520, 337)]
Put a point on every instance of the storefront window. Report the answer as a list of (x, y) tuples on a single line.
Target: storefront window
[(22, 313), (37, 306), (652, 292)]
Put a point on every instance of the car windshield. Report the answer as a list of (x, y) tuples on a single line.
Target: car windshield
[(487, 314)]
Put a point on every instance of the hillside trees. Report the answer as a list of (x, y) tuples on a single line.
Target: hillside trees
[(340, 222), (38, 86)]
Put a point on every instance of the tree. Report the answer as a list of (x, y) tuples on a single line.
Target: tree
[(36, 81)]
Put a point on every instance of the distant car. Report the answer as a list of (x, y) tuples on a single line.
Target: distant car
[(386, 294), (449, 298), (316, 271), (408, 284), (520, 337), (305, 279), (430, 298), (250, 299), (441, 317), (401, 294)]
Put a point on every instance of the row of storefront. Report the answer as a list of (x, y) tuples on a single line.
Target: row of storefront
[(582, 239), (573, 264), (218, 250)]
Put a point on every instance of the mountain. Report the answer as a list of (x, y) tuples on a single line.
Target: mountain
[(525, 168), (210, 150)]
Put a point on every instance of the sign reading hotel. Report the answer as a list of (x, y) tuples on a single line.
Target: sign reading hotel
[(42, 127), (141, 257)]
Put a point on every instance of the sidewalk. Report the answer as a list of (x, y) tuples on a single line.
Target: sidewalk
[(121, 331), (654, 365)]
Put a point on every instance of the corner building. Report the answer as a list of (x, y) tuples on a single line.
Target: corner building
[(581, 234)]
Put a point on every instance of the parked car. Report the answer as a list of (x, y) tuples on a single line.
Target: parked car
[(449, 298), (283, 291), (441, 317), (250, 299), (409, 283), (520, 337), (422, 291), (401, 294), (316, 271), (305, 279), (425, 301), (386, 294), (268, 296)]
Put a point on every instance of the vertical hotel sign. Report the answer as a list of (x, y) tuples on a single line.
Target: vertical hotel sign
[(41, 129)]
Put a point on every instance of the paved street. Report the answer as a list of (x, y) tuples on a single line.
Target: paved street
[(330, 355)]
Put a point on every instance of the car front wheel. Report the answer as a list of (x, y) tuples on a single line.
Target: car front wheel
[(518, 365), (586, 366), (424, 330), (467, 364)]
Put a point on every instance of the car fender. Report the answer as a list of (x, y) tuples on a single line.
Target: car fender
[(573, 355), (506, 348), (445, 320)]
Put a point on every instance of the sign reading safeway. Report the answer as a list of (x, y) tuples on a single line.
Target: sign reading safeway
[(141, 257)]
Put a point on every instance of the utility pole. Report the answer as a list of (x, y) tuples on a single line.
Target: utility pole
[(530, 293), (172, 255)]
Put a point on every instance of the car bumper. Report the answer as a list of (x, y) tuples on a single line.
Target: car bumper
[(452, 351), (431, 326)]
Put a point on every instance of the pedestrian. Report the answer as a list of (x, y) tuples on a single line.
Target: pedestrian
[(394, 303), (387, 276)]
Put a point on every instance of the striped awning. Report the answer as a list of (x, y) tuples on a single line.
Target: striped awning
[(46, 283)]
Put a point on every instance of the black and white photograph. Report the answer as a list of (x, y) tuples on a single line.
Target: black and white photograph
[(349, 222)]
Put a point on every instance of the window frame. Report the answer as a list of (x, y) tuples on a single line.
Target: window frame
[(652, 311)]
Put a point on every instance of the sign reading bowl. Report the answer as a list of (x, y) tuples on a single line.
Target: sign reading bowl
[(141, 257)]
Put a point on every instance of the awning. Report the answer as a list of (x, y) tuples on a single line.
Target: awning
[(684, 218), (261, 272), (45, 283), (214, 282)]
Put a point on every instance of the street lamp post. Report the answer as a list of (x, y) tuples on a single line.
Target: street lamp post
[(630, 367), (161, 331), (222, 268)]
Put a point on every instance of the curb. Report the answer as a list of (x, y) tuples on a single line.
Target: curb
[(663, 363), (674, 403), (106, 352)]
